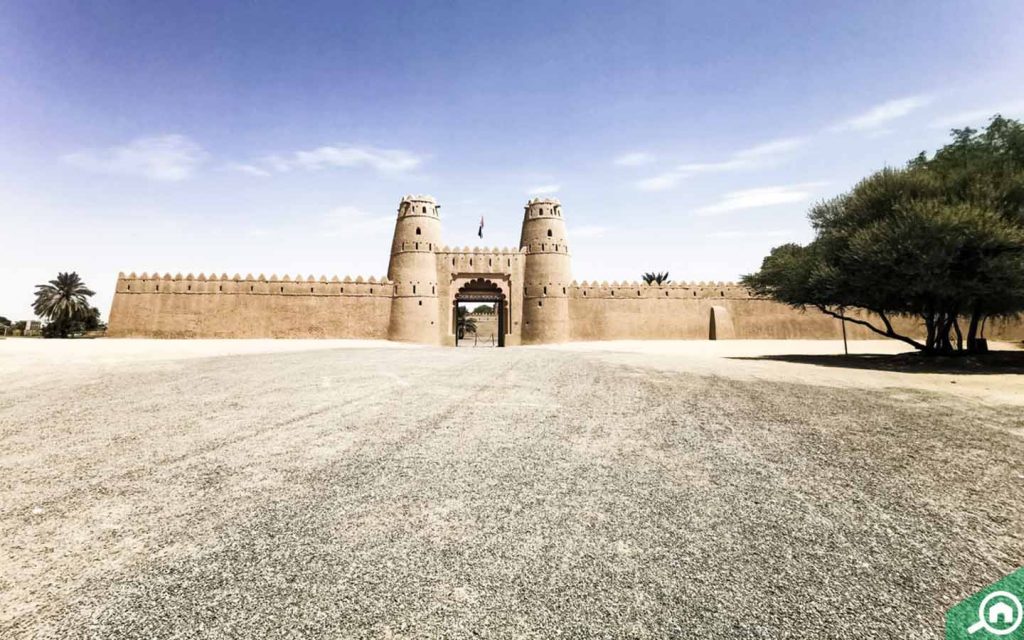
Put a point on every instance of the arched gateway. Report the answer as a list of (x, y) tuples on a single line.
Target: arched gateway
[(483, 291)]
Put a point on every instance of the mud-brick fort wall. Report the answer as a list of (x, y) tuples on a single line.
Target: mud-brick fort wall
[(630, 310), (416, 301), (710, 310), (250, 307)]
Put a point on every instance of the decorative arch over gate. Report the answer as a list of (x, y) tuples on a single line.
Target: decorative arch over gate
[(482, 290)]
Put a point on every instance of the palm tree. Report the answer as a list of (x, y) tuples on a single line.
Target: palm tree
[(463, 323), (63, 301), (656, 278)]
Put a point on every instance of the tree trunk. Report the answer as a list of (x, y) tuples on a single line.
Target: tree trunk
[(972, 331), (929, 341)]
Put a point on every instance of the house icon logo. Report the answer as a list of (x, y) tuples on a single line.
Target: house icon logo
[(993, 612)]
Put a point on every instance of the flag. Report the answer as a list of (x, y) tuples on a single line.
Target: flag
[(480, 231)]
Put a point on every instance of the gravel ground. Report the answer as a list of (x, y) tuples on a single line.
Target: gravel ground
[(532, 493)]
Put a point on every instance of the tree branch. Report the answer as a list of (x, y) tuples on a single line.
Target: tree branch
[(888, 332)]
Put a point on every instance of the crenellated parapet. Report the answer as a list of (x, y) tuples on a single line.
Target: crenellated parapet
[(223, 284), (480, 250), (677, 290), (499, 259)]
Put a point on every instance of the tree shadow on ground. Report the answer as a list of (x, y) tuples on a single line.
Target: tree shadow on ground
[(992, 363)]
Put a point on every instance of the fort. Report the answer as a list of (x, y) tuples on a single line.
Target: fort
[(535, 297)]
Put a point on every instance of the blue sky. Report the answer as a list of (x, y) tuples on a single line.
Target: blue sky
[(273, 137)]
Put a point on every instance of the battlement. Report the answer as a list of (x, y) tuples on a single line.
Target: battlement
[(634, 289), (480, 251), (418, 198), (255, 285)]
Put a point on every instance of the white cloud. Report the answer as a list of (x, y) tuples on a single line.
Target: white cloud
[(588, 231), (660, 182), (167, 158), (721, 235), (771, 149), (543, 189), (383, 160), (979, 116), (761, 155), (249, 169), (634, 159), (343, 156), (346, 220), (878, 116), (760, 197)]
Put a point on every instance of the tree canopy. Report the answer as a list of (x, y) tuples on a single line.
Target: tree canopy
[(64, 303), (656, 277), (941, 240)]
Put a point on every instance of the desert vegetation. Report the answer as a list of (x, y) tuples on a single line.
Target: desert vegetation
[(64, 303), (941, 240)]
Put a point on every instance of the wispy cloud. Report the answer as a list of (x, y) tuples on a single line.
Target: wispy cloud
[(729, 235), (878, 116), (345, 220), (589, 231), (166, 158), (634, 159), (340, 156), (249, 169), (979, 116), (760, 197), (543, 189), (660, 182), (761, 155)]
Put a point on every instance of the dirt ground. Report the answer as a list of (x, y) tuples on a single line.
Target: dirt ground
[(302, 489)]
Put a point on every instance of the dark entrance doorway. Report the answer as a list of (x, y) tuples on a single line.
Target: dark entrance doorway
[(481, 291)]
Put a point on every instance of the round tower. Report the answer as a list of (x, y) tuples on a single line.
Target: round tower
[(413, 270), (547, 273)]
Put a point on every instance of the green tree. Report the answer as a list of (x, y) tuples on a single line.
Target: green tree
[(656, 278), (4, 322), (942, 241), (484, 308), (63, 302), (463, 323)]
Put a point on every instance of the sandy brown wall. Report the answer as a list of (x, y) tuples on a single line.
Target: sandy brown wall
[(169, 308), (683, 311), (647, 318)]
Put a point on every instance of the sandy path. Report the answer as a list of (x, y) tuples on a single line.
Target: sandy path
[(522, 492)]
